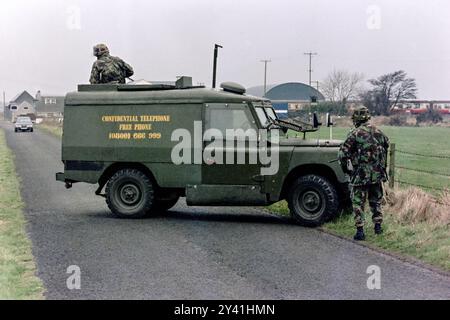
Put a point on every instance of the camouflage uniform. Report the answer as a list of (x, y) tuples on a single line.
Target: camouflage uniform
[(109, 69), (366, 148)]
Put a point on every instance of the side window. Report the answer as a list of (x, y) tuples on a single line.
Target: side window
[(236, 121), (262, 117)]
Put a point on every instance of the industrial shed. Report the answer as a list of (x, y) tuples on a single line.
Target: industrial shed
[(289, 96)]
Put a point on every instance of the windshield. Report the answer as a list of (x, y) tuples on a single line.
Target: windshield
[(23, 120), (271, 113)]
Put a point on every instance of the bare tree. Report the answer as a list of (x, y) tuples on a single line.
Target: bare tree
[(341, 85), (387, 90)]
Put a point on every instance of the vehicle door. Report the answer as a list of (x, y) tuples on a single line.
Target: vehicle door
[(237, 141)]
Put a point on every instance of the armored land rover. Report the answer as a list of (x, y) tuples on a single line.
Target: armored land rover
[(149, 145)]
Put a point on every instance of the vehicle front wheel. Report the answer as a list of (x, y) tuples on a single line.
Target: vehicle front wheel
[(312, 200), (130, 194)]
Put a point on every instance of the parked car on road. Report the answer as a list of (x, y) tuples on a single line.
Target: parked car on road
[(23, 124)]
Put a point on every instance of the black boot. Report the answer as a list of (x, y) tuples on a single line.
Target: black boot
[(378, 229), (359, 236)]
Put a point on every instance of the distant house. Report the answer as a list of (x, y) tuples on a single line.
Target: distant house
[(414, 106), (49, 106), (21, 105)]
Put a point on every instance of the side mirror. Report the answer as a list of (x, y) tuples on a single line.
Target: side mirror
[(316, 122), (329, 120)]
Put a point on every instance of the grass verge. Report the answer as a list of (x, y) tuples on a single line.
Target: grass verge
[(17, 267), (55, 130), (410, 234), (428, 243)]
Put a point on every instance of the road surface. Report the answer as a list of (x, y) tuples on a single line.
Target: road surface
[(191, 252)]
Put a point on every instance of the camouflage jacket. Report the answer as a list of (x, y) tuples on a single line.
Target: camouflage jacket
[(366, 147), (109, 69)]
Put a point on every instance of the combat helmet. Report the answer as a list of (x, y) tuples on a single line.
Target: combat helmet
[(360, 115), (100, 49)]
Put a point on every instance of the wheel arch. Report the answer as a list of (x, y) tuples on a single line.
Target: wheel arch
[(306, 169), (113, 168)]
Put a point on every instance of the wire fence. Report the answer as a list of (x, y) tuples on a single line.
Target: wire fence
[(424, 171), (438, 156), (419, 185), (393, 168)]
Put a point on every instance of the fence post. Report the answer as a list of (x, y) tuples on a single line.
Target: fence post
[(392, 165)]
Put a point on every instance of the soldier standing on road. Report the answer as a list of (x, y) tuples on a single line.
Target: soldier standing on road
[(109, 69), (363, 157)]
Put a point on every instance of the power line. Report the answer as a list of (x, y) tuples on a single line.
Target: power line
[(310, 54), (265, 75)]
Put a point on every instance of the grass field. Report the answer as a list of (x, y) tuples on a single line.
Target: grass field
[(17, 268), (424, 140)]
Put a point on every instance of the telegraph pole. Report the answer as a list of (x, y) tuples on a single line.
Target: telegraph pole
[(4, 104), (310, 54), (265, 75), (317, 84)]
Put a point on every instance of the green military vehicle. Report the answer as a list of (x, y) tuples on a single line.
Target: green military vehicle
[(148, 145)]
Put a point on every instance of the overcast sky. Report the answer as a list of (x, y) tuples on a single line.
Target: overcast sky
[(47, 44)]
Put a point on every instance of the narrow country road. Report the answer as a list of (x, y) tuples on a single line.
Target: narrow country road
[(191, 253)]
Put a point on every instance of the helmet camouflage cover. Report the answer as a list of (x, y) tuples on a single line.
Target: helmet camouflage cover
[(100, 49), (361, 115)]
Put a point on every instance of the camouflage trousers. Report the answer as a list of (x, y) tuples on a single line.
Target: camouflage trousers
[(374, 192)]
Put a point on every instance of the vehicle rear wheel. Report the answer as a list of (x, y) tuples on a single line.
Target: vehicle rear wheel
[(130, 194), (312, 200)]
